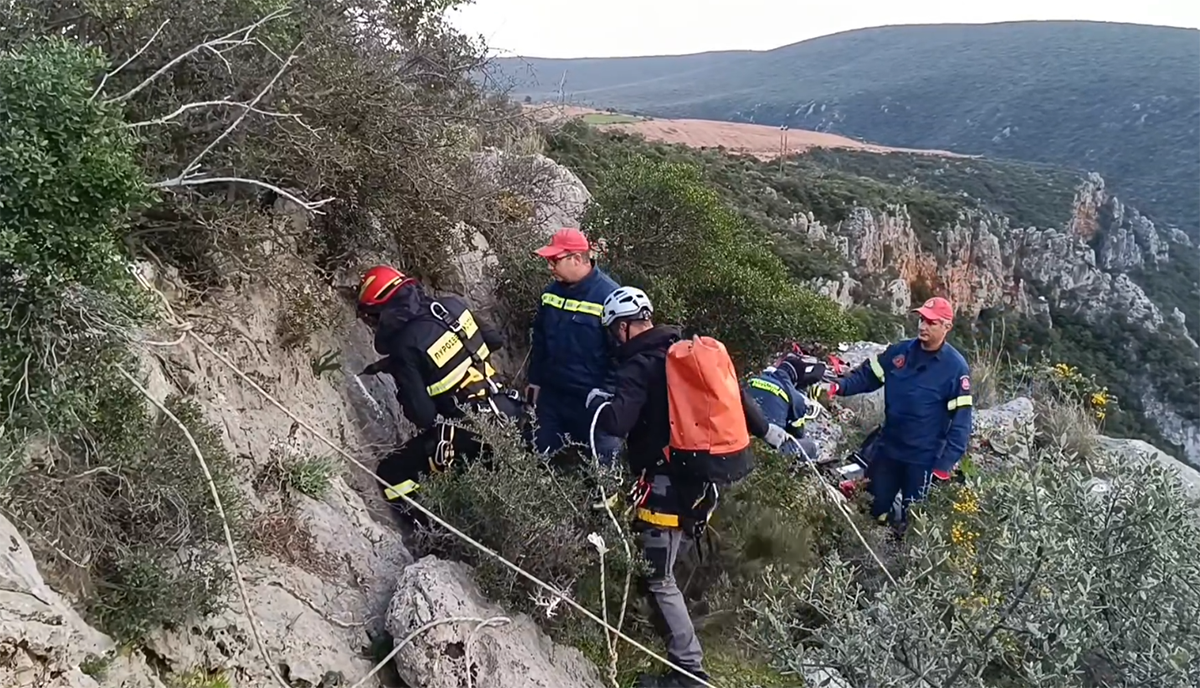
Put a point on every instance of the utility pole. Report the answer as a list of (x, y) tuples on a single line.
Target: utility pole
[(783, 145)]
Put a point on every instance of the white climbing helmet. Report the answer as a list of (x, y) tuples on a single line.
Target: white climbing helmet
[(626, 302)]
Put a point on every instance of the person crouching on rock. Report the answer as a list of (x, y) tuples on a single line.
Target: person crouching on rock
[(437, 351), (779, 391)]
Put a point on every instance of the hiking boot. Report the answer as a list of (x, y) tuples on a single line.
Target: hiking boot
[(671, 679)]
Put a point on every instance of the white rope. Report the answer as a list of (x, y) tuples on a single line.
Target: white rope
[(838, 501)]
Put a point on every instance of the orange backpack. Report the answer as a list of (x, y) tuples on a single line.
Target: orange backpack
[(709, 436)]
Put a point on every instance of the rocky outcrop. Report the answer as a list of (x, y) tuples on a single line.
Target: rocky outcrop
[(556, 197), (514, 653), (1137, 450), (981, 262), (43, 642)]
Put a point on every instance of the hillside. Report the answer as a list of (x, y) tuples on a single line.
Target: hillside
[(1042, 261), (744, 138), (191, 428), (1118, 99)]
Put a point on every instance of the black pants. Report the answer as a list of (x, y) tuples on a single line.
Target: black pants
[(439, 448)]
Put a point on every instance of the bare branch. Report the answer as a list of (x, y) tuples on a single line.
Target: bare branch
[(233, 38), (310, 206), (195, 163), (132, 57), (165, 119)]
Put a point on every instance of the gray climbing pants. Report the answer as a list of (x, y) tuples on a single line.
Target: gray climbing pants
[(668, 609)]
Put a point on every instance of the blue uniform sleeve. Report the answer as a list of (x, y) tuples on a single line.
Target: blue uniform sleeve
[(867, 377), (537, 351), (797, 411), (959, 406)]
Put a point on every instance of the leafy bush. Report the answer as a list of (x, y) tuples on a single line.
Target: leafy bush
[(516, 500), (703, 266), (126, 512), (1038, 574), (68, 178)]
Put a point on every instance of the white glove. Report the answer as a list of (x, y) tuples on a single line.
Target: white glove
[(776, 436), (596, 394)]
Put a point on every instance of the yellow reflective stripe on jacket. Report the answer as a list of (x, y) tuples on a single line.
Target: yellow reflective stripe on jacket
[(798, 423), (573, 305), (877, 368), (959, 402), (656, 519), (460, 371), (449, 344), (398, 491), (759, 383)]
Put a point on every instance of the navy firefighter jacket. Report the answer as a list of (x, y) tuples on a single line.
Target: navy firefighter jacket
[(927, 396), (780, 401), (570, 353)]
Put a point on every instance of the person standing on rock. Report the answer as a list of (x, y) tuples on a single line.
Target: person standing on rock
[(437, 351), (570, 354), (927, 410)]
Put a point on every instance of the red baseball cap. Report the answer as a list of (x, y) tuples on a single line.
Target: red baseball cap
[(936, 308), (566, 240)]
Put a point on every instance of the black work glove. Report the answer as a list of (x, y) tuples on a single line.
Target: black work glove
[(377, 367)]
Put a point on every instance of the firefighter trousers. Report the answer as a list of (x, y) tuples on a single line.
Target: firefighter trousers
[(433, 450), (660, 543)]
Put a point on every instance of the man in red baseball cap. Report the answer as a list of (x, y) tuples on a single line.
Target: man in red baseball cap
[(927, 409), (937, 318), (570, 355)]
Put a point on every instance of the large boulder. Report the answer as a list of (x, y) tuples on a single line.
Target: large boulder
[(43, 642), (516, 654), (1002, 434), (1137, 450), (558, 198)]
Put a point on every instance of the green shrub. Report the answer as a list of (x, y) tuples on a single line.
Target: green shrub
[(515, 501), (68, 179), (702, 264), (128, 515), (1037, 574)]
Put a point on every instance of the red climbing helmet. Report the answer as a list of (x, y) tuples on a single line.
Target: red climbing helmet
[(379, 284)]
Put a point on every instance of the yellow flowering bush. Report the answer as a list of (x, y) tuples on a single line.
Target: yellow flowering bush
[(1024, 576), (1068, 383)]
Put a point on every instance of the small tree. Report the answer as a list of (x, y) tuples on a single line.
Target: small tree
[(704, 266)]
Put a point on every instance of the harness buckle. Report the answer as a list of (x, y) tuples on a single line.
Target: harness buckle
[(443, 453)]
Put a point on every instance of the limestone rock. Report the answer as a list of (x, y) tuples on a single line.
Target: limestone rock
[(43, 642), (1137, 450), (515, 655), (1003, 433), (558, 197)]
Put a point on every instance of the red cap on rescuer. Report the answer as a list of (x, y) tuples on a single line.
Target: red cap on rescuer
[(565, 241), (936, 308)]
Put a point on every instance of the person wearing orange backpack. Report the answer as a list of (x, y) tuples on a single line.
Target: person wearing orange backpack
[(657, 372)]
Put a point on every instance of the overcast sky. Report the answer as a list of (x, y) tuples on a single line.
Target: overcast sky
[(605, 28)]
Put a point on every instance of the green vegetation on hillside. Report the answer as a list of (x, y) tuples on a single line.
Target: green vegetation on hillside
[(1119, 99), (112, 490), (197, 168), (936, 192)]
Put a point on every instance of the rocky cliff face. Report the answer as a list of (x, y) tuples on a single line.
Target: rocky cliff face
[(981, 262), (335, 577)]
